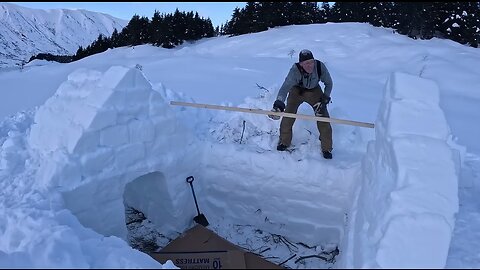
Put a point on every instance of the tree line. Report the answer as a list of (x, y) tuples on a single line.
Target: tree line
[(457, 21), (163, 30)]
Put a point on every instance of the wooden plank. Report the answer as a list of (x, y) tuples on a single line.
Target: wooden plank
[(265, 112)]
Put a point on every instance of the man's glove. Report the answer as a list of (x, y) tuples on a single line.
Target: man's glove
[(278, 106), (319, 108), (326, 99)]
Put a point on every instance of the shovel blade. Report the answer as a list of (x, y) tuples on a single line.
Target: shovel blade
[(201, 219)]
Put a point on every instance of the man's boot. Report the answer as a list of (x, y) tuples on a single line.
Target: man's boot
[(327, 154), (281, 147)]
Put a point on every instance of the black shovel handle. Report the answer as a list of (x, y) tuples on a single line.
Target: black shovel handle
[(190, 180)]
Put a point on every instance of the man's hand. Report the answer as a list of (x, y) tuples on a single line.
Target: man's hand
[(278, 106), (274, 117), (319, 108), (326, 99)]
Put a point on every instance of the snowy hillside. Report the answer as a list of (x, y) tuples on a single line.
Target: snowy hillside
[(26, 32), (99, 138)]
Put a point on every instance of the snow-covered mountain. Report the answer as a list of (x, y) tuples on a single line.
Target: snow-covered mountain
[(25, 32)]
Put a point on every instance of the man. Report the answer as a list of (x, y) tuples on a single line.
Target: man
[(302, 85)]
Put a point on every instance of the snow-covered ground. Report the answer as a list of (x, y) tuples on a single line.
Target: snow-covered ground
[(85, 141)]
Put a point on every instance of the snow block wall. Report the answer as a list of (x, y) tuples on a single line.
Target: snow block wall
[(101, 131), (303, 200), (403, 215)]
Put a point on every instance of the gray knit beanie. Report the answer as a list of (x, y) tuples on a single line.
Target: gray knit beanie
[(305, 55)]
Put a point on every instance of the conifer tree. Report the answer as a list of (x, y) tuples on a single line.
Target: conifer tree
[(197, 27), (144, 31), (114, 39), (208, 30), (295, 16), (232, 27), (156, 26), (325, 14), (130, 35)]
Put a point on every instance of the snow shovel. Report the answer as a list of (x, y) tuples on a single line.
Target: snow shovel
[(200, 218)]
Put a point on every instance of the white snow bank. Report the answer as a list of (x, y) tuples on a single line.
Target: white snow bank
[(403, 216), (33, 238), (100, 132)]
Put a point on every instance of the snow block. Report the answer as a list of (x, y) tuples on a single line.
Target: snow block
[(397, 249), (129, 154), (97, 161), (114, 136), (141, 130), (406, 86), (404, 214), (89, 140), (103, 118), (416, 118)]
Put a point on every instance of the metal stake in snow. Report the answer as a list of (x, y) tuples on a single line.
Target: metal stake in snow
[(265, 112)]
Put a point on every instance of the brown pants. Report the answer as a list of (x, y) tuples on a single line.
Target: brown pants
[(295, 98)]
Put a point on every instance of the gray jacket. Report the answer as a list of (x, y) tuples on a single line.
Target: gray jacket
[(309, 81)]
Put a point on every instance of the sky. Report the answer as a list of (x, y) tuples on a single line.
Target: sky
[(400, 195), (218, 12)]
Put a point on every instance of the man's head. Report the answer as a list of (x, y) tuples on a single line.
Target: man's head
[(306, 60), (305, 55)]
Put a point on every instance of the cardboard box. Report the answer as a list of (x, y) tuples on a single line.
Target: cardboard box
[(201, 248)]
